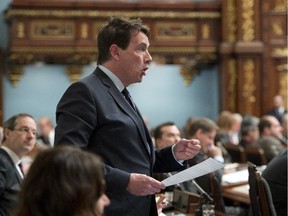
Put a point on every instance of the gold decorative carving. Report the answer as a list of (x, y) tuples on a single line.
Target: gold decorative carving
[(20, 30), (282, 68), (277, 29), (281, 5), (14, 73), (52, 49), (84, 30), (280, 52), (74, 72), (283, 86), (231, 21), (52, 30), (175, 31), (249, 87), (248, 24), (232, 83), (188, 72), (105, 14), (205, 31), (190, 67)]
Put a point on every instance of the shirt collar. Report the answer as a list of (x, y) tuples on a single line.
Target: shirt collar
[(113, 77)]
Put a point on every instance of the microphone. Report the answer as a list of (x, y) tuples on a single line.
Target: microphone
[(205, 199), (208, 199)]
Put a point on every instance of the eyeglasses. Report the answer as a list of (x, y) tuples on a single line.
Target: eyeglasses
[(25, 130)]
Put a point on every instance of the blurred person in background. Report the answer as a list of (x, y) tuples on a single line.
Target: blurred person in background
[(278, 109), (276, 175), (249, 131), (19, 139), (63, 181), (46, 131), (271, 138)]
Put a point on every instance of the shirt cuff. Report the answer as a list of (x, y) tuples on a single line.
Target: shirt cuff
[(179, 161), (219, 158)]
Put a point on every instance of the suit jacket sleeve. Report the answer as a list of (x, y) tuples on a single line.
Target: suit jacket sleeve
[(77, 118)]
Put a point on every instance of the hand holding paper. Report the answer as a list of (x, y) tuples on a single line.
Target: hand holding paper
[(203, 168)]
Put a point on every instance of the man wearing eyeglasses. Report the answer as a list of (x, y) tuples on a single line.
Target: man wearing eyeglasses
[(19, 139)]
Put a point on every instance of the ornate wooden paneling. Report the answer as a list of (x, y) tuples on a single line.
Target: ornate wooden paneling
[(254, 54), (65, 33), (246, 38)]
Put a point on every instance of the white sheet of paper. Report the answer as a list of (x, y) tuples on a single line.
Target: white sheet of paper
[(236, 177), (203, 168)]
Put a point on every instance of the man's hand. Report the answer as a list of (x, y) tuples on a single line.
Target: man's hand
[(186, 149), (141, 185)]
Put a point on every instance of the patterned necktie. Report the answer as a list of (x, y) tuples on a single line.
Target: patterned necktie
[(21, 167), (125, 92), (127, 96)]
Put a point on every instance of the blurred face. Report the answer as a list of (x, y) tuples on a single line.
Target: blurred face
[(44, 127), (275, 129), (22, 138), (170, 135), (236, 125), (253, 135), (101, 203), (135, 59), (278, 102), (206, 139)]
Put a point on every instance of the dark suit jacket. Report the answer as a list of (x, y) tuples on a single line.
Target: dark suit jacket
[(92, 114), (276, 176), (10, 181), (274, 112)]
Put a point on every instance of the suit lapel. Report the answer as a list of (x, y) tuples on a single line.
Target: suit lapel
[(135, 116), (9, 159)]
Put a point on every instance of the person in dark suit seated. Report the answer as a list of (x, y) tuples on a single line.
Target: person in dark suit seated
[(278, 109), (205, 131), (63, 181), (249, 131), (46, 131), (165, 135), (19, 139), (97, 113), (271, 139), (276, 175)]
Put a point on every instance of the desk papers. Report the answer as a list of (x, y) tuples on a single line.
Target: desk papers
[(203, 168), (236, 177)]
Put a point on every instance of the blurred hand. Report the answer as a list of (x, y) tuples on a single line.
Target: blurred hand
[(160, 203), (215, 151), (186, 149), (142, 185)]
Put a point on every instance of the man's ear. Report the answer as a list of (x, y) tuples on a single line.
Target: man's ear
[(114, 51), (198, 132)]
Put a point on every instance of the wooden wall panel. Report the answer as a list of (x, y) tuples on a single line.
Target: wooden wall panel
[(246, 38)]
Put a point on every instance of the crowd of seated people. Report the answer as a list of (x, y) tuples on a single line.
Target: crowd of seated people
[(265, 133)]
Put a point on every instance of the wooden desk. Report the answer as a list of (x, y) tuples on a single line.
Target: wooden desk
[(235, 183), (238, 193)]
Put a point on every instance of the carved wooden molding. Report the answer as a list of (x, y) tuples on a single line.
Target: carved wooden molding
[(63, 34)]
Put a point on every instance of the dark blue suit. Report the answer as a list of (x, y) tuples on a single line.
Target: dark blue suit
[(279, 116), (10, 181), (94, 115), (276, 176)]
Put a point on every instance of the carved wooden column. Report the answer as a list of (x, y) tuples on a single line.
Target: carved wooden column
[(275, 54), (249, 55), (228, 70)]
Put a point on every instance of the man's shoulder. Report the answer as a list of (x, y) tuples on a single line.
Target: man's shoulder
[(268, 140)]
